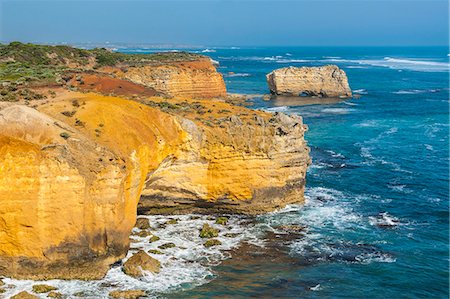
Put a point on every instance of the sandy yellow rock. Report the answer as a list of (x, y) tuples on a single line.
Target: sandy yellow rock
[(324, 81), (194, 79), (58, 200)]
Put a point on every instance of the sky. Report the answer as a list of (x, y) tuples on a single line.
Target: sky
[(228, 22)]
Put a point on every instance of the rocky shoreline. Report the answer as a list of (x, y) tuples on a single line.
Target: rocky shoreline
[(97, 137)]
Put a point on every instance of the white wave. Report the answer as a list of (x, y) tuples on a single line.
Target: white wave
[(360, 91), (429, 147), (416, 91), (399, 64), (214, 62), (337, 110), (334, 154), (356, 67), (368, 123), (332, 57), (209, 51), (238, 75), (315, 288), (377, 257), (277, 109), (349, 103), (392, 130), (185, 266), (288, 54), (292, 60)]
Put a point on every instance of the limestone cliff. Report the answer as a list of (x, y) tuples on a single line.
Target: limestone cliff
[(248, 165), (324, 81), (73, 167), (63, 200), (194, 79)]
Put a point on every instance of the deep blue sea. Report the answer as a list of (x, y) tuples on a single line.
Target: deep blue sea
[(376, 219)]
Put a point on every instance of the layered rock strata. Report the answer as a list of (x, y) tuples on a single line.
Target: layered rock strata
[(324, 81), (75, 166), (194, 79)]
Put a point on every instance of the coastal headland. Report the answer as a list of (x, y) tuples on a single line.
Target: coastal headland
[(90, 137)]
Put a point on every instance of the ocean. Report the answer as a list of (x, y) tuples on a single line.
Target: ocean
[(376, 219)]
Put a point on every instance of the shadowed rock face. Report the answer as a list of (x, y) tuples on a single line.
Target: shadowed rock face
[(324, 81)]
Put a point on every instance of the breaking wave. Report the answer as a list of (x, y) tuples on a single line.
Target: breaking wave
[(400, 64)]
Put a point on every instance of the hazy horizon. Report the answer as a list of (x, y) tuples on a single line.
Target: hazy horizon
[(228, 23)]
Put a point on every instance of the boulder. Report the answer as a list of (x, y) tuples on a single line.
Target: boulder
[(55, 295), (208, 232), (212, 242), (142, 223), (324, 81), (24, 295), (139, 262), (130, 294), (43, 288)]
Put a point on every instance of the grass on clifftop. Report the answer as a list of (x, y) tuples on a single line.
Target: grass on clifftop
[(26, 64), (32, 54)]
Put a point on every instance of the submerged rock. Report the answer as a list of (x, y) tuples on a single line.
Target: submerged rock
[(166, 246), (208, 232), (55, 295), (140, 261), (24, 295), (153, 239), (292, 228), (222, 220), (130, 294), (142, 223), (212, 242), (43, 288), (143, 234), (323, 81), (172, 221)]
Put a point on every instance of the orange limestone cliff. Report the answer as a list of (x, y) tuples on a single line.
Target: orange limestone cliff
[(194, 79), (72, 173)]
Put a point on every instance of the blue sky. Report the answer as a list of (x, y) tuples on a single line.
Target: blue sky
[(227, 23)]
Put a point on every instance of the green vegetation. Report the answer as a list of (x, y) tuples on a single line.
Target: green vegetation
[(43, 288), (69, 113), (153, 239), (166, 245), (64, 135), (172, 221), (212, 242), (155, 251), (24, 63), (222, 220), (208, 232)]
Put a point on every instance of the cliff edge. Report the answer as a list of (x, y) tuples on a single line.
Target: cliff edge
[(76, 164)]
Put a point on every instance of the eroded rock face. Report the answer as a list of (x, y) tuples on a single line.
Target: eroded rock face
[(59, 200), (195, 79), (70, 182), (324, 81), (244, 168)]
